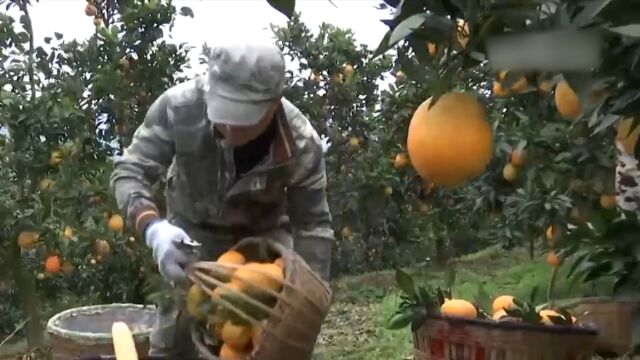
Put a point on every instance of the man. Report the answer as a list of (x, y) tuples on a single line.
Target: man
[(242, 161)]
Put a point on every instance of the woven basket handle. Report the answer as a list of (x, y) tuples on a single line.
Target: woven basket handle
[(200, 274)]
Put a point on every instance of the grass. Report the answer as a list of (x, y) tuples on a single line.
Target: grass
[(355, 328)]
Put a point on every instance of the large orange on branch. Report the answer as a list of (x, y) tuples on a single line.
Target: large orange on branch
[(452, 141)]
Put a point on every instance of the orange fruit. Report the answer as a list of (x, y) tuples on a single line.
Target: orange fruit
[(236, 336), (463, 32), (510, 172), (97, 22), (46, 184), (231, 257), (498, 90), (450, 142), (552, 259), (552, 234), (518, 157), (432, 48), (116, 223), (567, 101), (347, 69), (608, 201), (68, 232), (346, 232), (354, 142), (518, 86), (400, 161), (28, 239), (499, 314), (625, 137), (52, 264), (102, 248), (226, 289), (459, 308), (545, 316), (90, 10), (388, 190), (229, 353), (256, 276), (55, 159), (279, 262), (502, 302)]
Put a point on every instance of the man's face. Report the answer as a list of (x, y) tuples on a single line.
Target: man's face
[(235, 135)]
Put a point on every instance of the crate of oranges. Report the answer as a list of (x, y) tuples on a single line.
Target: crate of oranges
[(446, 327), (259, 300)]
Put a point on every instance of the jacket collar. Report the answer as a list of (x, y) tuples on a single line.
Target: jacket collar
[(283, 145)]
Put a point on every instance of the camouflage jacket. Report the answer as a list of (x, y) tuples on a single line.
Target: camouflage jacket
[(628, 166), (286, 189)]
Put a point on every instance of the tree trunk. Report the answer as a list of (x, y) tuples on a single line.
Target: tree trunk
[(28, 298)]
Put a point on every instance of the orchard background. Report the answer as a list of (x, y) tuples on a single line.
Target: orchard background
[(67, 111)]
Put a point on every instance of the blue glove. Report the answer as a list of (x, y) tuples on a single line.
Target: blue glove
[(172, 249)]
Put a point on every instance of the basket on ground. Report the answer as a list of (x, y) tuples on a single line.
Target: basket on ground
[(86, 331), (614, 319), (448, 338), (289, 315)]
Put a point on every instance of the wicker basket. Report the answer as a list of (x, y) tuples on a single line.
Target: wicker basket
[(614, 318), (293, 335), (86, 331), (462, 339)]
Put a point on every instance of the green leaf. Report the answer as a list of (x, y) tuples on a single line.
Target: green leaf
[(186, 11), (628, 30), (400, 320), (57, 35), (384, 45), (449, 277), (405, 283), (406, 27), (591, 9), (286, 7), (534, 294)]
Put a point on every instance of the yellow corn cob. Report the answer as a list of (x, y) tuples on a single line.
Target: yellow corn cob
[(123, 345)]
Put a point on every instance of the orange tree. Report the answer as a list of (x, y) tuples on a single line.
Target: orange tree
[(554, 152), (66, 110), (383, 213)]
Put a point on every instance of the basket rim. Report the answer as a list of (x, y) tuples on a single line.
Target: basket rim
[(608, 299), (53, 322), (557, 329)]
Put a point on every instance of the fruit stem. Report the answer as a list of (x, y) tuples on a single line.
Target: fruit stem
[(552, 284)]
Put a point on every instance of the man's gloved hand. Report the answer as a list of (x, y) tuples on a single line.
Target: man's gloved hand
[(172, 249)]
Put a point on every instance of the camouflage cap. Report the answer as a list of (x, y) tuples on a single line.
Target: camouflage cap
[(244, 81)]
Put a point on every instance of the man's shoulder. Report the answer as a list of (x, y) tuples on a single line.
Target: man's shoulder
[(186, 93), (301, 128)]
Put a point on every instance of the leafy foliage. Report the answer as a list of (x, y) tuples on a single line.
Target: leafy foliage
[(606, 248)]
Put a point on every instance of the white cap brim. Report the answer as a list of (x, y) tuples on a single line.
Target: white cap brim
[(221, 110)]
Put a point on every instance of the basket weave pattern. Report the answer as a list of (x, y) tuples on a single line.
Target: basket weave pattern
[(306, 304), (614, 319), (72, 344), (456, 339)]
